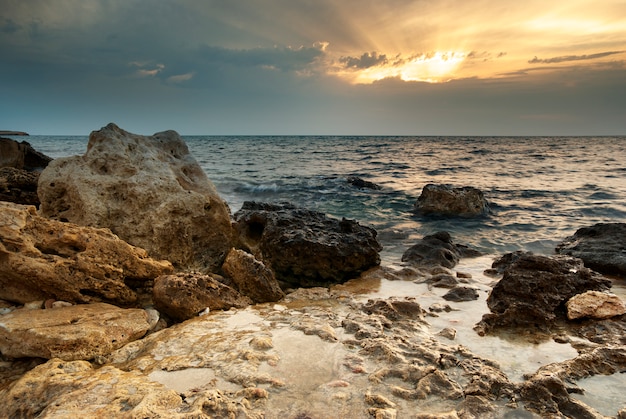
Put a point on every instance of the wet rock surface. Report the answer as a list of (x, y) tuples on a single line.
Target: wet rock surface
[(19, 186), (148, 190), (306, 248), (437, 250), (21, 155), (75, 332), (42, 259), (600, 246), (534, 290), (445, 200)]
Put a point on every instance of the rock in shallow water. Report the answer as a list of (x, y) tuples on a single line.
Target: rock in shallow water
[(601, 247), (595, 305), (448, 201), (437, 250), (534, 289), (148, 190), (252, 277), (306, 248)]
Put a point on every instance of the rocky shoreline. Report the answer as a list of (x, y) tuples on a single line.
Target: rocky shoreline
[(129, 290)]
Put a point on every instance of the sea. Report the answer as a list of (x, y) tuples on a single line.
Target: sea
[(540, 191)]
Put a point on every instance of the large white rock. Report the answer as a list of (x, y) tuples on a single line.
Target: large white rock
[(596, 305), (148, 190)]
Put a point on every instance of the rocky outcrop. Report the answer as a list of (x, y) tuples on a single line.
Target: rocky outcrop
[(77, 389), (148, 190), (44, 259), (595, 305), (252, 277), (70, 333), (601, 247), (19, 186), (306, 248), (437, 250), (445, 200), (184, 295), (21, 155), (534, 290)]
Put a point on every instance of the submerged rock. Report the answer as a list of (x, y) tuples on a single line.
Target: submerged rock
[(183, 295), (534, 289), (148, 190), (306, 248), (362, 184), (449, 201), (75, 332), (43, 259), (600, 246), (437, 250)]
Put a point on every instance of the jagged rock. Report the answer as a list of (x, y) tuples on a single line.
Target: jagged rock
[(252, 277), (546, 392), (184, 295), (437, 250), (77, 389), (534, 289), (148, 190), (19, 186), (595, 305), (361, 183), (82, 331), (446, 200), (600, 246), (43, 259), (459, 294), (306, 248), (21, 155)]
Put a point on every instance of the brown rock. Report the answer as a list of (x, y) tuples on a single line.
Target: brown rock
[(184, 295), (20, 155), (596, 305), (42, 259), (18, 186), (148, 190), (448, 201), (252, 277), (75, 389), (70, 333)]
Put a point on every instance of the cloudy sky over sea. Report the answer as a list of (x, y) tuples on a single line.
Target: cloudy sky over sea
[(414, 67)]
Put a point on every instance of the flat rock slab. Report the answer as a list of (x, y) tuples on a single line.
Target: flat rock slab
[(70, 333)]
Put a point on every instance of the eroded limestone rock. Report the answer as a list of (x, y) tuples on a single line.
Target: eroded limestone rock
[(184, 295), (595, 305), (148, 190), (43, 259), (600, 246), (252, 277), (446, 200), (306, 248), (534, 289), (76, 332)]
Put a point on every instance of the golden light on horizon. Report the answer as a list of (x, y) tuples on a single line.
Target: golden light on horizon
[(435, 67)]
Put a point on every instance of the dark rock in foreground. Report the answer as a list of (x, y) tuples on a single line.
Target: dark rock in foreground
[(437, 250), (446, 200), (534, 290), (306, 248), (459, 294), (21, 155), (601, 247), (19, 186)]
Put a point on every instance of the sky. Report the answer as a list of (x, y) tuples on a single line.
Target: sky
[(314, 67)]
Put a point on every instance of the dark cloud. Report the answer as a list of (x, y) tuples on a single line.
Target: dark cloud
[(366, 60), (565, 58), (8, 26)]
